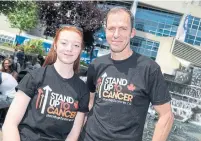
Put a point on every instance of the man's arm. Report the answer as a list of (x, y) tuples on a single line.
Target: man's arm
[(165, 122), (91, 103), (91, 100)]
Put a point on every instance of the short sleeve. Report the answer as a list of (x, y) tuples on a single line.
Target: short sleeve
[(84, 100), (90, 78), (27, 85), (158, 93)]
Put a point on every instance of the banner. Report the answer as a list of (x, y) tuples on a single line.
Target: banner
[(22, 39)]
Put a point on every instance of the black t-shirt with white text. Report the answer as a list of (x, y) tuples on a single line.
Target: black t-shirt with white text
[(123, 91), (54, 104)]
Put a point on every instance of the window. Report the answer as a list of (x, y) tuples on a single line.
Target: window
[(145, 46), (157, 22), (193, 35)]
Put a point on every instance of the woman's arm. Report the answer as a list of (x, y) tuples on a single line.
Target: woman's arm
[(77, 126), (15, 75), (14, 116)]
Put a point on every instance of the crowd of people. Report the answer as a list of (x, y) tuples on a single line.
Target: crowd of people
[(13, 68), (53, 104)]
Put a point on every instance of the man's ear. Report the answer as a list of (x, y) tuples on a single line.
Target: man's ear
[(133, 32)]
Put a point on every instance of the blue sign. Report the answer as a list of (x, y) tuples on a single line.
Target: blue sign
[(86, 56), (22, 39)]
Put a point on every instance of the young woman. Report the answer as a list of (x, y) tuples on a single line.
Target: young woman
[(51, 101), (8, 67)]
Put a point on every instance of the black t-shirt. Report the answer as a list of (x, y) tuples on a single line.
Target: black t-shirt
[(54, 104), (124, 90)]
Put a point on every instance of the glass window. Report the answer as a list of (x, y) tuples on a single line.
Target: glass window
[(152, 23), (198, 39), (197, 43), (187, 36), (135, 44), (173, 33), (141, 50), (149, 43), (156, 21), (161, 25), (156, 44), (199, 33), (191, 37), (155, 48), (195, 22), (169, 22), (166, 32), (145, 46), (196, 18), (147, 53), (176, 23), (153, 54), (192, 31), (194, 26), (148, 47), (168, 27), (165, 35), (189, 25), (159, 34), (152, 28), (190, 21), (190, 41), (174, 28), (152, 32)]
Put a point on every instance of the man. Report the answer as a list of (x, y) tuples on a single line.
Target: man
[(122, 85)]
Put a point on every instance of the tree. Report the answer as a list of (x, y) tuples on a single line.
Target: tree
[(23, 15), (84, 14), (7, 6)]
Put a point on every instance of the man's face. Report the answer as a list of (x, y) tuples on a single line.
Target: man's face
[(118, 31)]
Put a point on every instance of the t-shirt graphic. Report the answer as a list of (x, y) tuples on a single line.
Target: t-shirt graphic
[(111, 89), (56, 105)]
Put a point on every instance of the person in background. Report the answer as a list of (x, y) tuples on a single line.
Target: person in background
[(36, 63), (7, 92), (41, 59), (51, 102), (7, 86), (122, 85), (8, 67), (21, 57)]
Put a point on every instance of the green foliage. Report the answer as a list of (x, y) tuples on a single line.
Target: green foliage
[(34, 46), (7, 45), (83, 63), (7, 6), (23, 16)]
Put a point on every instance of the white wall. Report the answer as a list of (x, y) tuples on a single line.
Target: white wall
[(164, 58), (5, 25), (181, 6)]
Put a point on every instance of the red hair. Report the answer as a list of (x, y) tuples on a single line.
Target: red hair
[(52, 55)]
